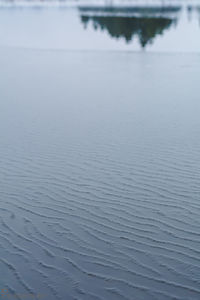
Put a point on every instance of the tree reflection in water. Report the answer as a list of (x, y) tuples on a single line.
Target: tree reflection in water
[(146, 28)]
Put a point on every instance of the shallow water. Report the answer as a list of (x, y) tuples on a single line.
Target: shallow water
[(100, 168), (99, 175)]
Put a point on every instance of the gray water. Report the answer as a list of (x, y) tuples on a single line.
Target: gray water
[(155, 28), (100, 171)]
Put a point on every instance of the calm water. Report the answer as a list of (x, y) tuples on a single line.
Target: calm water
[(160, 28), (99, 155)]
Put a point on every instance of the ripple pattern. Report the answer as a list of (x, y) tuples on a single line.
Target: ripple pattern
[(99, 185)]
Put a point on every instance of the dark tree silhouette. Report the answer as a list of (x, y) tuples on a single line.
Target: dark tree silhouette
[(146, 28)]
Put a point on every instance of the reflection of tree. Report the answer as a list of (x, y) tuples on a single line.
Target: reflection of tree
[(145, 28), (143, 11), (192, 10)]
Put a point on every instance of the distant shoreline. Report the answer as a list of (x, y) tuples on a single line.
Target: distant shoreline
[(97, 3)]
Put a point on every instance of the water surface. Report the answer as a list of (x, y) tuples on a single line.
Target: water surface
[(99, 156), (155, 28)]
